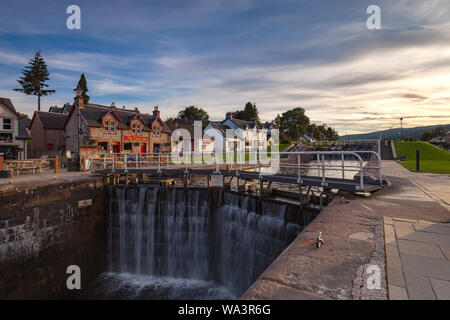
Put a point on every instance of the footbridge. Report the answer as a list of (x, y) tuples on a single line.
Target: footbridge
[(327, 170)]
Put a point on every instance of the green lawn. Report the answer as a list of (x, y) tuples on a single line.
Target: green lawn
[(432, 158)]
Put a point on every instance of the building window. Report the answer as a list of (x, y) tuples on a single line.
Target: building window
[(49, 147), (7, 124), (139, 130), (134, 129), (107, 126), (113, 127)]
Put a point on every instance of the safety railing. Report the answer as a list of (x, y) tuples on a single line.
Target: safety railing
[(304, 163)]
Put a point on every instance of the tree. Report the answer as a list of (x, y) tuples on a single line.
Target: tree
[(277, 121), (193, 113), (294, 123), (82, 84), (24, 116), (169, 120), (439, 131), (426, 136), (250, 112), (34, 77)]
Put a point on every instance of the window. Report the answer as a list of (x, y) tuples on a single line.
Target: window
[(107, 126), (139, 129), (113, 127), (7, 124), (49, 147)]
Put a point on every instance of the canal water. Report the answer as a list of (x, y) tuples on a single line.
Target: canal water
[(195, 243)]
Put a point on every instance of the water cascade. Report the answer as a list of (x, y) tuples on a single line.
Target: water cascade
[(204, 234)]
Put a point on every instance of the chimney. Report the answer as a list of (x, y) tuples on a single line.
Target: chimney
[(229, 116), (156, 112), (79, 100)]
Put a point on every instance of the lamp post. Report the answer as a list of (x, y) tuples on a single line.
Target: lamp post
[(401, 128)]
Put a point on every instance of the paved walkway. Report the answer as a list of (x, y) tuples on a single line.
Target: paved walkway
[(413, 216), (418, 251), (417, 259)]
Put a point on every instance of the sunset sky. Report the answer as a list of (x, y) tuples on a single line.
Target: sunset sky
[(219, 54)]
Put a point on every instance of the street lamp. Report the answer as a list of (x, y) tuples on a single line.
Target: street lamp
[(401, 128)]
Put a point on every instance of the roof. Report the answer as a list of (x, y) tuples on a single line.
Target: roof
[(182, 124), (220, 127), (243, 124), (55, 109), (50, 120), (268, 125), (23, 132), (8, 104), (93, 115)]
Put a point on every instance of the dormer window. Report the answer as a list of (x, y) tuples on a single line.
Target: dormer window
[(138, 129), (113, 127), (107, 126)]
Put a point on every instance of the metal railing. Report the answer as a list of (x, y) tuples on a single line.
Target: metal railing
[(304, 163)]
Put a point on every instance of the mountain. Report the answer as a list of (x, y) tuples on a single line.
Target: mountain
[(392, 133)]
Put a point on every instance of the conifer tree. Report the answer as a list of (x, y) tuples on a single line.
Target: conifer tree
[(33, 78)]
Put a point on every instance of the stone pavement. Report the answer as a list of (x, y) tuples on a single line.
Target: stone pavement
[(417, 259), (416, 213)]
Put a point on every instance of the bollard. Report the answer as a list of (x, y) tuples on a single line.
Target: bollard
[(1, 163), (417, 160), (56, 164)]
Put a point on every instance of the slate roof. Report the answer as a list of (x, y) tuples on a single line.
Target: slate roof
[(220, 127), (243, 124), (94, 113), (51, 120)]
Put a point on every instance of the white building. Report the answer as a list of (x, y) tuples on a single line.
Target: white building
[(13, 132)]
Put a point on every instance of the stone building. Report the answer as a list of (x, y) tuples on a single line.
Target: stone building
[(107, 129), (13, 132), (47, 134)]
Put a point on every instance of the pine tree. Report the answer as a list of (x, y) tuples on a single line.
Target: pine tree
[(251, 112), (82, 84), (34, 77)]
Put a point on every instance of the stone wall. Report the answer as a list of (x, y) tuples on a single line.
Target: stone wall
[(43, 230)]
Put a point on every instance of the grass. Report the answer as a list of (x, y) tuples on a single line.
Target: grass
[(432, 158)]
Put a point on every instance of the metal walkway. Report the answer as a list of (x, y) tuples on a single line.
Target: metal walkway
[(330, 183), (366, 176)]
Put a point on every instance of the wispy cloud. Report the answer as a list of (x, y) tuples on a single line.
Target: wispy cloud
[(220, 54)]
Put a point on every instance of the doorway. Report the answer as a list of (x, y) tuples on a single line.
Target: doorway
[(116, 148), (144, 148)]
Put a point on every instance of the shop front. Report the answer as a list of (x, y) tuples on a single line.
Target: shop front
[(135, 144)]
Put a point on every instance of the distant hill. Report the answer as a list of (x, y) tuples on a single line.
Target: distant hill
[(392, 133)]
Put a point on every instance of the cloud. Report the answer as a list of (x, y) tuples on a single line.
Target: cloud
[(221, 54)]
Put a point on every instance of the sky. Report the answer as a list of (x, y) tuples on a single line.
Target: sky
[(220, 54)]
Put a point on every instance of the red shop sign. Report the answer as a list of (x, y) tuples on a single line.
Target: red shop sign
[(135, 138)]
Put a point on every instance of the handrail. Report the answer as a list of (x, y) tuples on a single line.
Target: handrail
[(191, 159)]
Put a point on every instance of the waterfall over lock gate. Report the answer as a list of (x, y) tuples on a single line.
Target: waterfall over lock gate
[(198, 233)]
